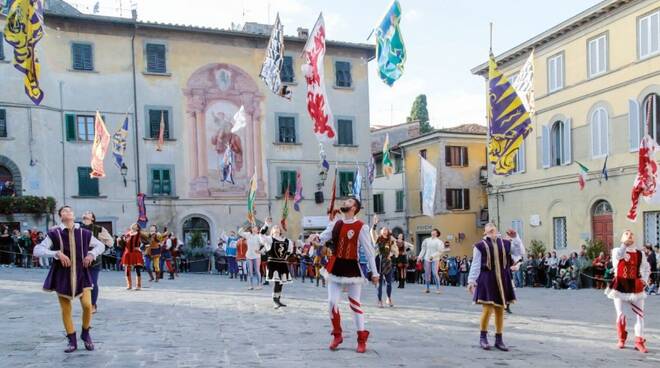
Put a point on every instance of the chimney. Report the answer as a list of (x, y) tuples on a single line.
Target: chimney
[(303, 32)]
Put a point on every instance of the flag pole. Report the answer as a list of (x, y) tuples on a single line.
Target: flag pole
[(490, 45)]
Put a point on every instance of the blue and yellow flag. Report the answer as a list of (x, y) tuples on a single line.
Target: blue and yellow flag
[(119, 142), (508, 121), (23, 31), (390, 51)]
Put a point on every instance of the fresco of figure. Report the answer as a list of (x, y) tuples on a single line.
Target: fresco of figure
[(224, 137)]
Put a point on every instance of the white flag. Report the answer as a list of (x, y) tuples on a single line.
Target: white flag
[(524, 84), (271, 69), (240, 120), (429, 180)]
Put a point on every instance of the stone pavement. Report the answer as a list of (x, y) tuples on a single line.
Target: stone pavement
[(212, 321)]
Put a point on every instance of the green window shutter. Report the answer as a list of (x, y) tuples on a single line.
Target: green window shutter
[(288, 178), (70, 122), (167, 184), (3, 121), (87, 187), (466, 199), (345, 131), (154, 123), (156, 187)]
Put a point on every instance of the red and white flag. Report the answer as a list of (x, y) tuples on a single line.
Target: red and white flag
[(161, 133), (100, 147), (317, 98), (647, 175)]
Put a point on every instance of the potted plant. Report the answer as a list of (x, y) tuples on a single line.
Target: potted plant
[(197, 252)]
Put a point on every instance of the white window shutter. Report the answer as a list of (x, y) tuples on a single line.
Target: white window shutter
[(605, 132), (521, 156), (633, 125), (567, 143), (545, 143), (595, 136)]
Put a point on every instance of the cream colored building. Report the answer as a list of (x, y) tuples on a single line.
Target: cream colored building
[(596, 82)]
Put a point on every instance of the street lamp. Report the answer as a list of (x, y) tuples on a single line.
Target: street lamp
[(124, 171)]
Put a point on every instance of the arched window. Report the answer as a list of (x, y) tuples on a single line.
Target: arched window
[(557, 143), (599, 133), (602, 207), (649, 116), (196, 232), (6, 183)]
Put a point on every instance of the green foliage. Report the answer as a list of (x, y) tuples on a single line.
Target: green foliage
[(196, 240), (419, 112), (594, 248), (536, 247), (26, 204)]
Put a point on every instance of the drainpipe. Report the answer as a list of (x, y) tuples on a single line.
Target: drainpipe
[(135, 109), (63, 144)]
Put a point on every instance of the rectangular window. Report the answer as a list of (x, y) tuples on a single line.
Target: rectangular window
[(156, 62), (555, 73), (346, 179), (458, 199), (399, 201), (652, 228), (559, 231), (379, 165), (649, 35), (422, 153), (155, 116), (519, 160), (597, 55), (82, 57), (3, 123), (287, 180), (456, 156), (379, 206), (161, 182), (80, 128), (343, 74), (287, 75), (287, 129), (87, 186), (2, 48), (345, 132), (398, 163)]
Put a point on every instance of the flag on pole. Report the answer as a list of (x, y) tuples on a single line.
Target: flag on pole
[(429, 182), (317, 98), (371, 170), (142, 211), (388, 167), (240, 120), (357, 184), (227, 166), (297, 198), (508, 121), (285, 209), (390, 50), (119, 142), (647, 175), (582, 175), (251, 199), (23, 30), (271, 69), (100, 147), (524, 84), (161, 132), (603, 172), (331, 210)]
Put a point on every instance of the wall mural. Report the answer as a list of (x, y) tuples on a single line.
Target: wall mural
[(214, 94)]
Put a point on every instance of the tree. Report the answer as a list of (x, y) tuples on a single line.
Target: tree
[(420, 113)]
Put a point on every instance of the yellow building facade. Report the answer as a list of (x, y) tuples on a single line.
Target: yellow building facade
[(460, 201), (596, 83)]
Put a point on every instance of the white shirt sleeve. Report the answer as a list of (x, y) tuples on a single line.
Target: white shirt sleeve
[(97, 247), (43, 249), (645, 269), (617, 254), (327, 233), (105, 237), (267, 241), (368, 247), (475, 267), (425, 245)]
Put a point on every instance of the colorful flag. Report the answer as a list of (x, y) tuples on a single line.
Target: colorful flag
[(100, 147), (508, 121), (524, 84), (371, 170), (251, 199), (390, 50), (582, 175), (161, 133), (285, 209), (647, 175), (227, 166), (603, 172), (24, 29), (271, 69), (357, 184), (333, 198), (299, 188), (317, 98), (119, 142), (429, 180), (240, 120), (142, 211), (388, 167)]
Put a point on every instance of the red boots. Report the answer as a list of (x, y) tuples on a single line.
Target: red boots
[(621, 331), (640, 345), (336, 330), (362, 337)]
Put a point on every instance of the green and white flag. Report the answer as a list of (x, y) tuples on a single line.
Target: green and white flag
[(390, 50)]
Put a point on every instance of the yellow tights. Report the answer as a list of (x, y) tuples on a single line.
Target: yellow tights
[(489, 309), (67, 311)]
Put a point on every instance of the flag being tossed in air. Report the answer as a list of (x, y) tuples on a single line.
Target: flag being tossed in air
[(23, 30), (240, 120), (271, 69), (429, 180), (297, 198), (508, 121), (371, 170), (388, 167), (645, 184), (357, 184), (161, 132), (119, 142), (390, 50), (251, 199), (524, 84), (100, 147), (285, 209)]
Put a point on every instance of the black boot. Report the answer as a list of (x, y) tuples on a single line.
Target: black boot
[(73, 343), (276, 303), (84, 336), (279, 302)]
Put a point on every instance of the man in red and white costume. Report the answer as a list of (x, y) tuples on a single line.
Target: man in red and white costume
[(631, 275), (343, 269)]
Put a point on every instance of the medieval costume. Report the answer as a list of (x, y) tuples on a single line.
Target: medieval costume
[(132, 257), (489, 274), (74, 281), (101, 234), (386, 253), (153, 251), (402, 261), (631, 275), (343, 272), (277, 249)]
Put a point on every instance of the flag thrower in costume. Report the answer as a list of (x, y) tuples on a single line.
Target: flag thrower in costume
[(100, 147), (297, 198), (390, 50), (317, 98), (647, 175), (271, 69), (23, 30), (508, 121), (582, 175), (252, 196), (119, 142), (429, 180), (388, 167), (161, 133)]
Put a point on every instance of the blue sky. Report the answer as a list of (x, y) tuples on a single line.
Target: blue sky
[(444, 40)]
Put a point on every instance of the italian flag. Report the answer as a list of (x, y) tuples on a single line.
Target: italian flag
[(582, 175), (252, 195), (388, 168)]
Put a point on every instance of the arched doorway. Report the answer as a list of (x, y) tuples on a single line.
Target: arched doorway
[(196, 230), (9, 172), (602, 224)]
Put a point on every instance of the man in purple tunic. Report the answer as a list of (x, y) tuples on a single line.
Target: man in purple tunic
[(74, 250), (489, 279)]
